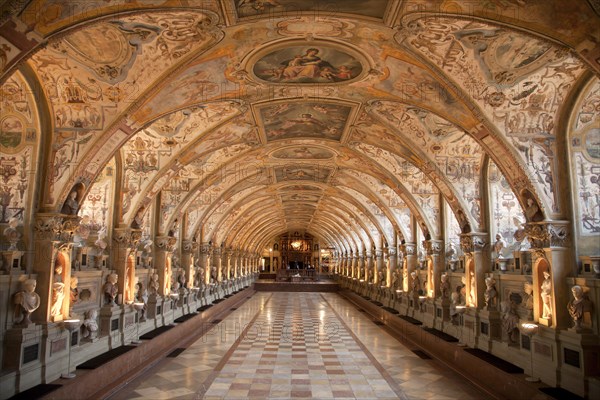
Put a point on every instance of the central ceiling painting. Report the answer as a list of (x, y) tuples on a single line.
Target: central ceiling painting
[(307, 64), (304, 120)]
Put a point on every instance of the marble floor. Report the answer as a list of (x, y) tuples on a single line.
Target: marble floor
[(297, 345)]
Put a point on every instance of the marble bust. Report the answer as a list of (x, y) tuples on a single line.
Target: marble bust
[(580, 308), (27, 301), (71, 206), (110, 289)]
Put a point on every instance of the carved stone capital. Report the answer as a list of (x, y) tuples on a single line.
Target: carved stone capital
[(127, 237), (410, 249), (205, 248), (189, 246), (166, 243), (433, 247), (472, 242), (378, 253), (58, 228), (392, 252), (548, 234)]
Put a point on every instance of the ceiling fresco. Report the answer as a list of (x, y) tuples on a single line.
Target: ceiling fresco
[(304, 120), (257, 8), (304, 64), (231, 121)]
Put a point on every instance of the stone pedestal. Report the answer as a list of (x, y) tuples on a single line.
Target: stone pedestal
[(489, 329), (428, 311), (128, 324), (12, 262), (168, 314), (544, 346), (154, 309), (54, 351), (442, 313), (470, 327), (111, 323), (578, 353), (23, 354)]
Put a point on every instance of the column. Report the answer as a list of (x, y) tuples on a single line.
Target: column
[(218, 262), (187, 261), (205, 250), (362, 264), (369, 266), (410, 249), (435, 266), (124, 244), (550, 243), (164, 247), (477, 264), (392, 254), (53, 236), (378, 265)]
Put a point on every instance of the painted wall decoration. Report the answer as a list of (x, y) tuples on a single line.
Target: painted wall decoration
[(294, 172), (307, 64), (384, 223), (18, 148), (255, 8), (97, 204), (423, 189), (12, 132), (522, 102), (373, 230), (585, 153), (507, 214), (455, 153), (303, 153), (304, 120), (592, 143), (46, 16), (387, 197), (157, 145), (93, 74)]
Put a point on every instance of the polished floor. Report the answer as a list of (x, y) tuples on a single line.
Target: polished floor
[(298, 345)]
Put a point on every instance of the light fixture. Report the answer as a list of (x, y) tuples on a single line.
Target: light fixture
[(296, 244), (529, 329)]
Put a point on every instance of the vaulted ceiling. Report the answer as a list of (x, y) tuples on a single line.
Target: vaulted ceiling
[(352, 120)]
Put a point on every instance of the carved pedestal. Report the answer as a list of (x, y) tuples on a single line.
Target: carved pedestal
[(128, 324), (578, 353), (428, 308), (489, 329), (12, 262), (110, 324), (442, 313), (23, 353), (168, 312), (470, 326), (154, 307), (55, 350)]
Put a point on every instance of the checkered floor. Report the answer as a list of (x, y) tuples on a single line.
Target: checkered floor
[(297, 345)]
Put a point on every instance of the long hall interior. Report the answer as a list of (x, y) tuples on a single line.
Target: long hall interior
[(299, 199)]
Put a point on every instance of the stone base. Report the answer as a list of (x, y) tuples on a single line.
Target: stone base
[(442, 313), (489, 328), (19, 344), (111, 323), (545, 321)]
